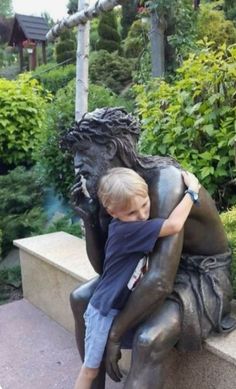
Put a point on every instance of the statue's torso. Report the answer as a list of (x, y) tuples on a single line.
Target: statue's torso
[(203, 230)]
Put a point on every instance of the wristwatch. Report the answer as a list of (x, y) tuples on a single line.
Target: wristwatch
[(194, 196)]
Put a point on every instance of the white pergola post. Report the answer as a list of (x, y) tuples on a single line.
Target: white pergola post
[(82, 56), (81, 19)]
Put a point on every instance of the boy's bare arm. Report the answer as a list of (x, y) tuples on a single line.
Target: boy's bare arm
[(175, 222)]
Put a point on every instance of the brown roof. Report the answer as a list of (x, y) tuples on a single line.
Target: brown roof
[(28, 27)]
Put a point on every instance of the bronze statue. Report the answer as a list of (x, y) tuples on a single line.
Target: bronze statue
[(186, 293)]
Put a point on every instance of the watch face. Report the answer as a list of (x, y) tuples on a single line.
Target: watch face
[(195, 196)]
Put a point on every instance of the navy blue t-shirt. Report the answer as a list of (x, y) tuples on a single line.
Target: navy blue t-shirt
[(127, 243)]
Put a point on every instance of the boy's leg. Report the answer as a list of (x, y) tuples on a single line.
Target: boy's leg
[(85, 378), (79, 300), (96, 334)]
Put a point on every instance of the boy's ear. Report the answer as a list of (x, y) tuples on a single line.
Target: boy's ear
[(111, 149), (111, 213)]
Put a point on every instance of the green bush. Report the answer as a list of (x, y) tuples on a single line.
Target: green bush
[(109, 38), (93, 36), (193, 119), (230, 9), (64, 224), (229, 220), (110, 70), (211, 23), (56, 78), (55, 166), (136, 40), (22, 110), (21, 212), (66, 47), (10, 282)]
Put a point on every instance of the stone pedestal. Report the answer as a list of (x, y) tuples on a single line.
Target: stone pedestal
[(54, 264)]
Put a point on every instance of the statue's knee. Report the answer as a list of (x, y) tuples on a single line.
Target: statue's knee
[(78, 298), (148, 342), (143, 342)]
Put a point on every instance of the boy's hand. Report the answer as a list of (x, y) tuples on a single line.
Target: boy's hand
[(191, 181)]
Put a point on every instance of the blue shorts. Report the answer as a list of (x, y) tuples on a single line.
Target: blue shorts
[(96, 334)]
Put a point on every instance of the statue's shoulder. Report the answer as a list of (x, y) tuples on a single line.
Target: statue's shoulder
[(169, 176)]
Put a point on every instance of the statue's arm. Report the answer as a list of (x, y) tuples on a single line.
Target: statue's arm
[(94, 238), (158, 282), (95, 224)]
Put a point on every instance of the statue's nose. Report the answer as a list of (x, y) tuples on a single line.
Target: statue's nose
[(78, 161)]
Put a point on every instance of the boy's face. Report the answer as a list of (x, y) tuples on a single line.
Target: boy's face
[(138, 210)]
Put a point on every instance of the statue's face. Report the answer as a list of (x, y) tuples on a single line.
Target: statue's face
[(91, 161)]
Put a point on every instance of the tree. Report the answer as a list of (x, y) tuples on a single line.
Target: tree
[(211, 24), (6, 8), (72, 6), (172, 32), (129, 12), (109, 38), (230, 9), (66, 47), (5, 29)]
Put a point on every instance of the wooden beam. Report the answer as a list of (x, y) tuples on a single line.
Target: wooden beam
[(44, 53)]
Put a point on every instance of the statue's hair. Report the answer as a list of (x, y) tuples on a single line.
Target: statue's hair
[(111, 124)]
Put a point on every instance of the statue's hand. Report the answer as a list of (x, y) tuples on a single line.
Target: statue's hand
[(113, 354), (84, 205)]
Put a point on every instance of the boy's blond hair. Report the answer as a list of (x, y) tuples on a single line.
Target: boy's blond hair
[(118, 187)]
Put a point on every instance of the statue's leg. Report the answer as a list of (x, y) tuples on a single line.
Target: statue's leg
[(152, 343), (79, 299)]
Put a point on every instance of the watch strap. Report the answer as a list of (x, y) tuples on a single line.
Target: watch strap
[(192, 195)]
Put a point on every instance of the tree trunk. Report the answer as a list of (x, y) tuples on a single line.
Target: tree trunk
[(157, 45)]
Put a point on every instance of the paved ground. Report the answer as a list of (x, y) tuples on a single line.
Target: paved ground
[(35, 351)]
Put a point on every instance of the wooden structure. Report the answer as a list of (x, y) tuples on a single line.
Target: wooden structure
[(27, 33)]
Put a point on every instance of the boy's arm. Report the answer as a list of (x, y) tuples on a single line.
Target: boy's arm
[(175, 222), (89, 210), (157, 283)]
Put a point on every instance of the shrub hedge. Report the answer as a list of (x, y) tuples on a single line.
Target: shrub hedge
[(193, 119), (21, 212), (54, 77), (110, 70), (229, 220), (22, 112)]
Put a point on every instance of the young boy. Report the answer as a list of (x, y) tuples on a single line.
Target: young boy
[(131, 236)]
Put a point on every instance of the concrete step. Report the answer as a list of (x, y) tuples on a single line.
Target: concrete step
[(35, 351)]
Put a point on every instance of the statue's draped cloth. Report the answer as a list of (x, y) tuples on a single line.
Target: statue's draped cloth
[(204, 292)]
